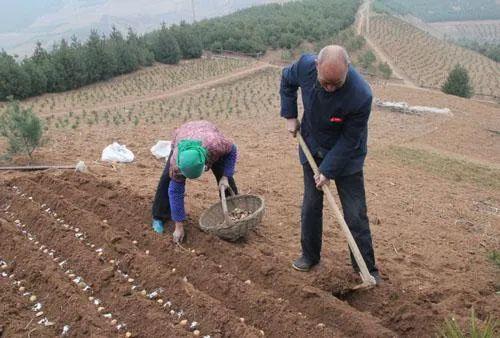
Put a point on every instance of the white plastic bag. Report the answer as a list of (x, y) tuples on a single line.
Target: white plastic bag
[(117, 153), (161, 149)]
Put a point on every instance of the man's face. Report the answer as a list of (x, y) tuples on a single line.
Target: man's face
[(331, 77)]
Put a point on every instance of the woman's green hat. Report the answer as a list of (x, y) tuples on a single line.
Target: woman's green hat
[(191, 158)]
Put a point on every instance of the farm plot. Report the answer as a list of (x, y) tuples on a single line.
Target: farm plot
[(428, 60), (255, 94), (147, 82), (433, 229), (480, 31), (144, 283)]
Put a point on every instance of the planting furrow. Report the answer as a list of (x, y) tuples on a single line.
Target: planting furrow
[(167, 289), (267, 271), (251, 304), (18, 314), (291, 308), (100, 281), (56, 303)]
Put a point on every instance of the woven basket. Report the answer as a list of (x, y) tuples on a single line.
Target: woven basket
[(212, 220)]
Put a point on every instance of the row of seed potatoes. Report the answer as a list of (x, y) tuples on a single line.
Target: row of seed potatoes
[(157, 296)]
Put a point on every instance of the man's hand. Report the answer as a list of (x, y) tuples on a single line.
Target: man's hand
[(292, 125), (321, 180), (178, 235), (223, 183)]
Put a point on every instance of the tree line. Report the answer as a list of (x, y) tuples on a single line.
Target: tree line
[(72, 64)]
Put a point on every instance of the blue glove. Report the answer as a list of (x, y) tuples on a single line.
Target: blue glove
[(158, 226)]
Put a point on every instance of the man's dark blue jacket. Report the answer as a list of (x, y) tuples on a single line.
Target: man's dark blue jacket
[(334, 125)]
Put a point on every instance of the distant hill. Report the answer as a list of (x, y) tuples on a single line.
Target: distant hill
[(23, 23), (442, 10)]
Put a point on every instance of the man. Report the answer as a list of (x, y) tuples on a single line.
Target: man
[(196, 147), (337, 104)]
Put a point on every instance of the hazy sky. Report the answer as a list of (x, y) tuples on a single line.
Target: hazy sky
[(16, 15), (24, 22)]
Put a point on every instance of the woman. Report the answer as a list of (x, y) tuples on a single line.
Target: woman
[(196, 147)]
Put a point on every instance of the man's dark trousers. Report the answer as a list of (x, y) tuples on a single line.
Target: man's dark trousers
[(351, 191)]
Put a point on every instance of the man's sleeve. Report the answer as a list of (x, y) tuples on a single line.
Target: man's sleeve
[(288, 90), (350, 140)]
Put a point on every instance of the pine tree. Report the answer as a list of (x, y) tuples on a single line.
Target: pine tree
[(165, 47), (22, 128), (458, 82), (14, 81), (189, 42)]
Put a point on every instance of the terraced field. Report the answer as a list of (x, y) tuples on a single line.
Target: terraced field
[(480, 31), (428, 60)]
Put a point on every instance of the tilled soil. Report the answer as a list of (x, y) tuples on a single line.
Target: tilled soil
[(433, 234), (229, 291)]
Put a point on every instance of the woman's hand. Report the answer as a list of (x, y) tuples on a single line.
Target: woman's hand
[(178, 235), (224, 183)]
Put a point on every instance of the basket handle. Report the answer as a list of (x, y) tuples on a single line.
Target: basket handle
[(224, 204)]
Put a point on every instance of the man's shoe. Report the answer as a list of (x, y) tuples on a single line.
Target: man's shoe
[(158, 226), (303, 264), (378, 279)]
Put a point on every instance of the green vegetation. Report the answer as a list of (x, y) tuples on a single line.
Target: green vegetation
[(494, 256), (274, 26), (22, 128), (442, 10), (367, 59), (451, 329), (385, 70), (458, 82), (449, 168), (73, 64)]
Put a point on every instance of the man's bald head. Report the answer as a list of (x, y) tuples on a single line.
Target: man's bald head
[(332, 66)]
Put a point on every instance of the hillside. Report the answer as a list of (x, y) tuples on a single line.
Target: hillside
[(427, 60), (442, 10), (82, 242), (484, 31)]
